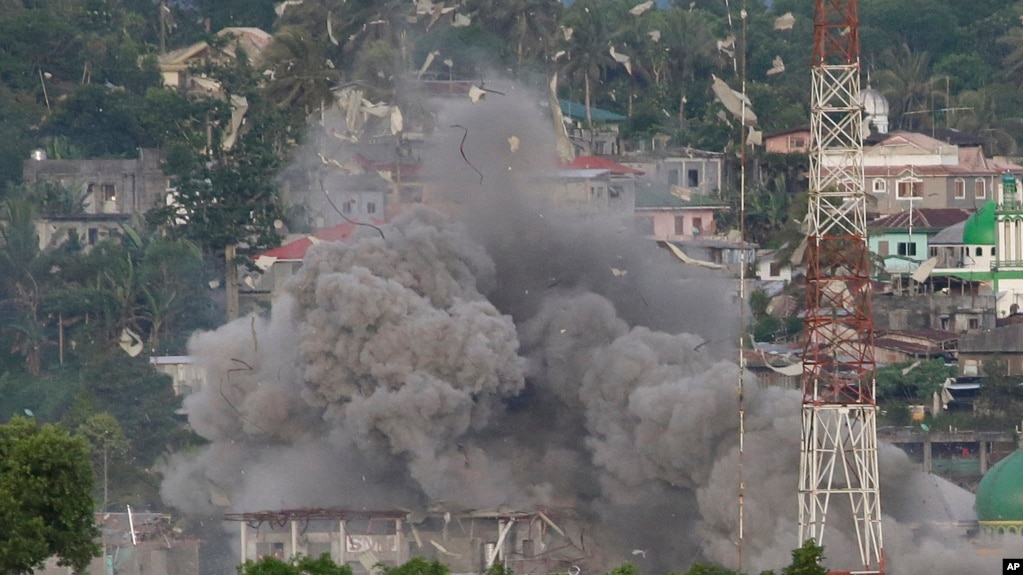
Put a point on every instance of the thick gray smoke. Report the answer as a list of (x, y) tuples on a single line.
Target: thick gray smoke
[(494, 358)]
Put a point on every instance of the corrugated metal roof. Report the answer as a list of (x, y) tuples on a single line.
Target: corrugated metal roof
[(577, 111), (295, 251), (602, 163), (921, 219)]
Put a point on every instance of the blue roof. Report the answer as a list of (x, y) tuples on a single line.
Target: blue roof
[(577, 111)]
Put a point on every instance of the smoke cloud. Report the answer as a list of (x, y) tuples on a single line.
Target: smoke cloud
[(493, 358)]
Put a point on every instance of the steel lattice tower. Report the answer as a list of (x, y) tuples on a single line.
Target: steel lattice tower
[(839, 429)]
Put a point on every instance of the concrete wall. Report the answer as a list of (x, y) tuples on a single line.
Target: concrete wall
[(108, 186), (934, 311)]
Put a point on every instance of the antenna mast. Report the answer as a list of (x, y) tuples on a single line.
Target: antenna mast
[(839, 414)]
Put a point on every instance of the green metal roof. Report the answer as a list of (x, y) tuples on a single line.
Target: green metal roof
[(653, 198), (980, 227), (577, 111), (1000, 493)]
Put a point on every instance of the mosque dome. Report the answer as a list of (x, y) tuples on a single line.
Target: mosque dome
[(980, 227), (1000, 493), (874, 103)]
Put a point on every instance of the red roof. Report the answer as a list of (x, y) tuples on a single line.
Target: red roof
[(295, 250), (600, 163)]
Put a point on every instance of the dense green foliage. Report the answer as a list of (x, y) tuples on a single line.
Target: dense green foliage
[(46, 506), (912, 380)]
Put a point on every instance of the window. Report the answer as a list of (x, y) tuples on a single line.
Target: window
[(797, 142), (697, 226), (679, 225), (882, 248), (910, 188), (692, 178), (346, 208), (93, 236), (974, 323), (371, 207), (979, 189), (775, 269), (932, 252), (597, 192), (880, 186), (906, 249), (673, 177), (960, 185), (979, 251), (992, 251), (108, 193)]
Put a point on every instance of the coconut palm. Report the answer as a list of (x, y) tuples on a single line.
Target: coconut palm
[(906, 80), (587, 48), (529, 24), (300, 76), (691, 46)]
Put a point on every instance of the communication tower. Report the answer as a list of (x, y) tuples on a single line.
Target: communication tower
[(838, 458)]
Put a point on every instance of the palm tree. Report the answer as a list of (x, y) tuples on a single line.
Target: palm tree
[(906, 80), (301, 77), (691, 46), (20, 292), (588, 55), (1013, 61), (530, 24)]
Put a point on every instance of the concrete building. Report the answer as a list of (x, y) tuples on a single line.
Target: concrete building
[(902, 240), (526, 541), (698, 172), (979, 346), (109, 191), (906, 170)]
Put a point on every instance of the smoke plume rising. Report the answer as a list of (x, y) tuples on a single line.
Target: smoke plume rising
[(493, 358)]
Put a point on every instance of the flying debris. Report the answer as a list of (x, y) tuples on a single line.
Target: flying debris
[(330, 31), (130, 342), (567, 33), (461, 21), (785, 21), (280, 8), (639, 9), (655, 35), (754, 137), (513, 144), (777, 66), (685, 258), (618, 272), (727, 46), (733, 101), (476, 93), (622, 59), (427, 63)]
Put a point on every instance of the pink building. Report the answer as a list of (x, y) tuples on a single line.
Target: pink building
[(669, 214)]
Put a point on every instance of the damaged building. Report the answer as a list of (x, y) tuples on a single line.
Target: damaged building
[(526, 541)]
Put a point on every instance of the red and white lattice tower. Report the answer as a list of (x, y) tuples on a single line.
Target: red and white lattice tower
[(838, 460)]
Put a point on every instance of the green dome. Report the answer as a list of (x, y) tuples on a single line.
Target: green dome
[(980, 227), (1000, 493)]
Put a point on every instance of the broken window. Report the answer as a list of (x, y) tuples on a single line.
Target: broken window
[(109, 194), (371, 207), (692, 178), (93, 236), (697, 226)]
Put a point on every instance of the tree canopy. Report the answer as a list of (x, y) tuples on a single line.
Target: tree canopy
[(46, 506)]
